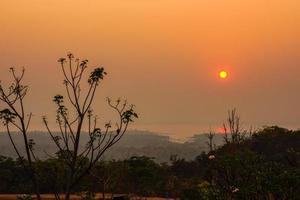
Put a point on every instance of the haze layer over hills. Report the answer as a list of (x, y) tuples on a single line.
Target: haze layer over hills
[(134, 143)]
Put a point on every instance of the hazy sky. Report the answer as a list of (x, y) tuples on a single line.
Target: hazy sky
[(163, 56)]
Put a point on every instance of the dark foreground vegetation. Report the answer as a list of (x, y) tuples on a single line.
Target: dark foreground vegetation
[(265, 165)]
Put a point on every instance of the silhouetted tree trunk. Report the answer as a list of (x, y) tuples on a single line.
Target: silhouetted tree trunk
[(210, 143), (71, 121), (14, 116)]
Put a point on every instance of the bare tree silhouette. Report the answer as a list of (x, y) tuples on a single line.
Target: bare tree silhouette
[(210, 143), (79, 162), (14, 116), (233, 133)]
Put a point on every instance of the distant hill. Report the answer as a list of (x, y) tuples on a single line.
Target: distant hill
[(134, 143)]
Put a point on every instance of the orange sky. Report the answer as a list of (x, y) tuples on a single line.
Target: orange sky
[(164, 56)]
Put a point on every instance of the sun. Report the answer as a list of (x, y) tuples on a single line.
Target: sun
[(223, 74)]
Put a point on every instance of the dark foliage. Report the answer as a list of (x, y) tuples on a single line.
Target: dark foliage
[(264, 166)]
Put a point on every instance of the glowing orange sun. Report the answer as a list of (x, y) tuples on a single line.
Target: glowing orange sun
[(223, 74)]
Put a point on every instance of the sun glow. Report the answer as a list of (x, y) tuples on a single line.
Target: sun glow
[(223, 74)]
